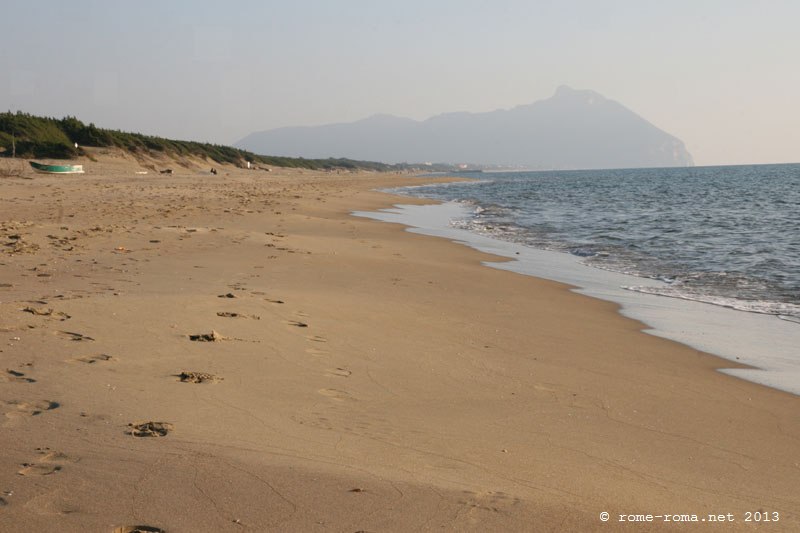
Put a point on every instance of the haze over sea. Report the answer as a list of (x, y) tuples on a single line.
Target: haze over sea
[(727, 236)]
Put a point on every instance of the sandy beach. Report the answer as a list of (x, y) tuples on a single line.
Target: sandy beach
[(236, 352)]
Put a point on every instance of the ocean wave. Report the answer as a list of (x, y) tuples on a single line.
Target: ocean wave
[(699, 231), (785, 311)]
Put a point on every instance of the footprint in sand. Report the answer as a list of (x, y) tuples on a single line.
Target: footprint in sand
[(12, 376), (317, 352), (71, 335), (336, 394), (38, 311), (92, 359), (138, 529), (149, 429), (494, 502), (302, 314), (18, 408), (197, 377), (48, 462), (338, 372)]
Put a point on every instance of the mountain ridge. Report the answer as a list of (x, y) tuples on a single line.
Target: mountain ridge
[(571, 129)]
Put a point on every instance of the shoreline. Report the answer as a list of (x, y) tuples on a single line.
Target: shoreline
[(365, 377), (764, 342)]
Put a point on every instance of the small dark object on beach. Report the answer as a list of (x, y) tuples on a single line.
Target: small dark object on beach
[(150, 429), (228, 295), (138, 529), (197, 377), (207, 337)]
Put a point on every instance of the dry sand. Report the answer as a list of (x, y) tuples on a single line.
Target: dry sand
[(345, 375)]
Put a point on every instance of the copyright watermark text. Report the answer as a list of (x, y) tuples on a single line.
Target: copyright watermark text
[(748, 516)]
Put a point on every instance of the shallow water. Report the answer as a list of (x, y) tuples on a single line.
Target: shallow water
[(723, 235), (766, 335)]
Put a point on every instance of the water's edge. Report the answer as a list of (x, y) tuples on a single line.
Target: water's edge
[(758, 340)]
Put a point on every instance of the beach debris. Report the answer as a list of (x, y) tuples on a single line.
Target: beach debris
[(150, 429), (228, 314), (228, 295), (121, 250), (214, 336), (138, 529), (298, 324), (17, 245), (274, 301), (197, 377), (357, 489)]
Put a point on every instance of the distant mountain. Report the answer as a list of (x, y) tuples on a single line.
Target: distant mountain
[(571, 129)]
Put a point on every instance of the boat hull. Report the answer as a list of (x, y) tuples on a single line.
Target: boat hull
[(57, 169)]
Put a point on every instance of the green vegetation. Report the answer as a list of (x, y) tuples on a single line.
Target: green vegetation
[(29, 136)]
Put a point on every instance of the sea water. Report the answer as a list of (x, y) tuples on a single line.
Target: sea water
[(708, 256)]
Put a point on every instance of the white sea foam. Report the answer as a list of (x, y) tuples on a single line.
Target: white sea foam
[(762, 341)]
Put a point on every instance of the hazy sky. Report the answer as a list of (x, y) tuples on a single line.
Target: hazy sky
[(723, 76)]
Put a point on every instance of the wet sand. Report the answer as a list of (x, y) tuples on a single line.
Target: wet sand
[(237, 353)]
